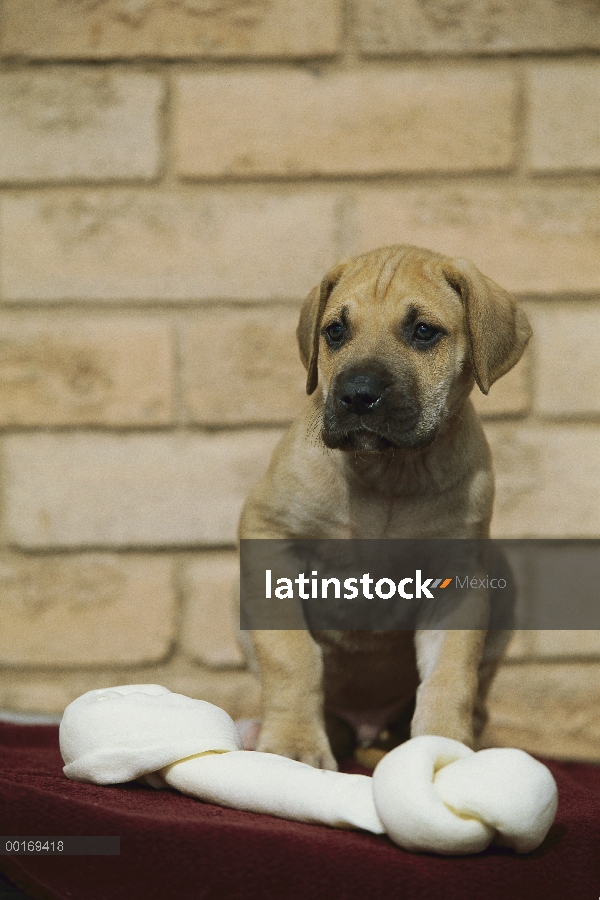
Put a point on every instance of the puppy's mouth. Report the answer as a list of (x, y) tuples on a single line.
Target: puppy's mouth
[(360, 438), (367, 439)]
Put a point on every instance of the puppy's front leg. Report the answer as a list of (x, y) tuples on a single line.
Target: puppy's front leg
[(448, 663), (291, 670)]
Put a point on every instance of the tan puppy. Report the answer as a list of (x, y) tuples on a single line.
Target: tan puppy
[(388, 447)]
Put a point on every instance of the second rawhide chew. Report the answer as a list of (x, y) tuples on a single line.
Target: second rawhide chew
[(430, 794), (435, 794)]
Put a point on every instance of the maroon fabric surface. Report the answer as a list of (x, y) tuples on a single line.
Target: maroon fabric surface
[(176, 847)]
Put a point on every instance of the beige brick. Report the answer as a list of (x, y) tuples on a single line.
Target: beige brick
[(85, 371), (553, 645), (49, 691), (547, 481), (170, 28), (243, 366), (487, 26), (567, 350), (520, 645), (565, 644), (80, 490), (510, 396), (78, 124), (534, 238), (367, 122), (89, 609), (547, 644), (129, 245), (551, 710), (564, 113), (211, 611)]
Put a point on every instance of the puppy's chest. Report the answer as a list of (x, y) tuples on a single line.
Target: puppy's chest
[(374, 500), (369, 516)]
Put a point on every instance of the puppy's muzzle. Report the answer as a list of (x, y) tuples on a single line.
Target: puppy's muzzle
[(367, 409), (367, 395)]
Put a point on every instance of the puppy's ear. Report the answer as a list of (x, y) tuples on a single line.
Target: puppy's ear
[(497, 328), (311, 316)]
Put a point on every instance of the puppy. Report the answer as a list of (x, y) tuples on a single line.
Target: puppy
[(388, 447)]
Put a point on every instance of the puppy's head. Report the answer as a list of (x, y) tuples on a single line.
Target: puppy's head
[(397, 337)]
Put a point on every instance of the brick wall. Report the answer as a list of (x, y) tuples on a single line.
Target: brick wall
[(175, 176)]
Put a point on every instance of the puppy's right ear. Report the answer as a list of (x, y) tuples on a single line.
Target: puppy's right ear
[(497, 327), (311, 316)]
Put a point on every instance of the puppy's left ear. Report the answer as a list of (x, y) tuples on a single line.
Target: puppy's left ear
[(497, 328), (311, 316)]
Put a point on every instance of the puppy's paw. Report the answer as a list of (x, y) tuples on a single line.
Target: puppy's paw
[(306, 742), (458, 727)]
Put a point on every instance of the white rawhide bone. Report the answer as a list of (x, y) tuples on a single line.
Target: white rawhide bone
[(144, 731), (430, 794)]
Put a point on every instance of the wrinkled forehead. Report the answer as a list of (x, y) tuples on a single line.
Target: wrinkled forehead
[(393, 282)]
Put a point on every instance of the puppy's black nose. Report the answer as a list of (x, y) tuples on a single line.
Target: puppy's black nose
[(360, 394)]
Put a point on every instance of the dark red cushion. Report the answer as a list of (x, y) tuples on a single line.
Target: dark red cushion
[(176, 847)]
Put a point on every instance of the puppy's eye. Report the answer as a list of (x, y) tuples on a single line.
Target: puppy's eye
[(425, 333), (334, 332)]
